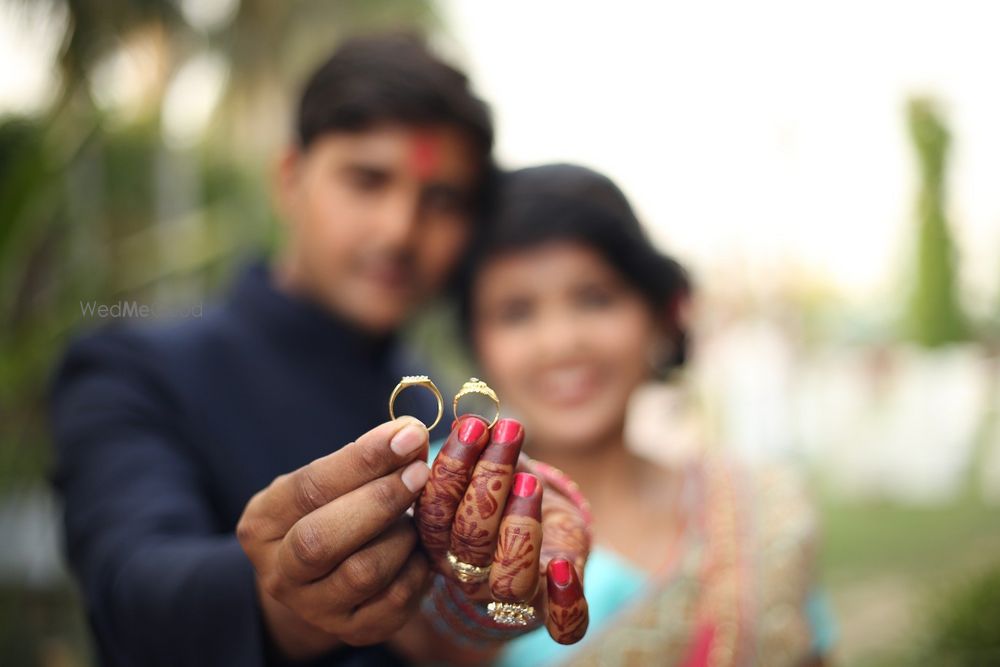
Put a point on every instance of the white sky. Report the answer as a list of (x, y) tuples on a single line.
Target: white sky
[(29, 39), (769, 134)]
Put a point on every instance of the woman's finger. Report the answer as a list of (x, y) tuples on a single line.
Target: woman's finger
[(448, 482), (564, 531), (515, 571), (566, 615), (565, 547), (477, 520)]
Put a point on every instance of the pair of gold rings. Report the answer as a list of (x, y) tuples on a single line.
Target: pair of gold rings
[(472, 386)]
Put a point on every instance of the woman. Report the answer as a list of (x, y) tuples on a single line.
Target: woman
[(569, 309)]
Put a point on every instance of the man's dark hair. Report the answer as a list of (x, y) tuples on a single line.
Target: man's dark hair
[(395, 78)]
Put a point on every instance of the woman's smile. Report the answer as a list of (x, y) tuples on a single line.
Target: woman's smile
[(568, 386)]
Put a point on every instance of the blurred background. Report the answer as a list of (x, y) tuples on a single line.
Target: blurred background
[(830, 172)]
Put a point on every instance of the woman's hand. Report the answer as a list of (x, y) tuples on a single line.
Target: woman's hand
[(485, 507)]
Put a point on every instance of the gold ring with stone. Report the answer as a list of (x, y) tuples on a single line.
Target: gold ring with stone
[(417, 381), (468, 573), (477, 386), (511, 613)]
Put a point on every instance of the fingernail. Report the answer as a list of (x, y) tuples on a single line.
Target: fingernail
[(524, 484), (561, 572), (408, 440), (415, 476), (471, 430), (507, 430)]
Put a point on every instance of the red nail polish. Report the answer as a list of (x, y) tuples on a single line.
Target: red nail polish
[(561, 572), (524, 484), (471, 430), (507, 430)]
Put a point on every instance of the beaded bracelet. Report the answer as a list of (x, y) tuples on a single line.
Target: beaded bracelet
[(561, 481)]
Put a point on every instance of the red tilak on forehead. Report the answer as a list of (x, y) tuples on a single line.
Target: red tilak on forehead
[(425, 153)]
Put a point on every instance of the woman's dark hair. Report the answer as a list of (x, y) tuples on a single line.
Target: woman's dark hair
[(390, 77), (562, 202)]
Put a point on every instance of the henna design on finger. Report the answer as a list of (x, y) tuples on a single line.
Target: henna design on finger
[(469, 542), (478, 517), (437, 503), (564, 532), (514, 575), (517, 553), (435, 510), (485, 490), (568, 616), (568, 625), (473, 534)]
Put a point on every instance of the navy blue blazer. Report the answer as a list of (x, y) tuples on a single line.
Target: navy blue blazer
[(163, 432)]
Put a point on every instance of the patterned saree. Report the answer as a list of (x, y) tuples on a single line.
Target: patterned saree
[(735, 592)]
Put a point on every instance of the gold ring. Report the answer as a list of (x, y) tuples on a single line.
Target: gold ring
[(477, 386), (417, 381), (468, 573), (511, 613)]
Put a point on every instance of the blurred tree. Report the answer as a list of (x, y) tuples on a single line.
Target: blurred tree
[(98, 206), (934, 315), (964, 630), (268, 46)]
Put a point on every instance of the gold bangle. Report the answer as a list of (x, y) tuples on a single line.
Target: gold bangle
[(477, 386), (417, 381)]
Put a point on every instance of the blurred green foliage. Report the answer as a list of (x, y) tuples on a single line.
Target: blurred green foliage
[(908, 562), (97, 206), (964, 628), (935, 316), (81, 225)]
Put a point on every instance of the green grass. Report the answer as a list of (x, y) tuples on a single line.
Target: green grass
[(867, 539), (918, 556)]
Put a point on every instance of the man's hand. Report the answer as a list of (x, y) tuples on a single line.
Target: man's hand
[(333, 549)]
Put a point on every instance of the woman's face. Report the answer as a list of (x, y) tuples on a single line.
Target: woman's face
[(564, 340)]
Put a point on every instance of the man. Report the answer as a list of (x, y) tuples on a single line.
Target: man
[(167, 435)]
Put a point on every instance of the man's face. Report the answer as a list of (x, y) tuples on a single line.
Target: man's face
[(377, 218)]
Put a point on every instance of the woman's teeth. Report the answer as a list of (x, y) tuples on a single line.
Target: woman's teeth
[(566, 383)]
